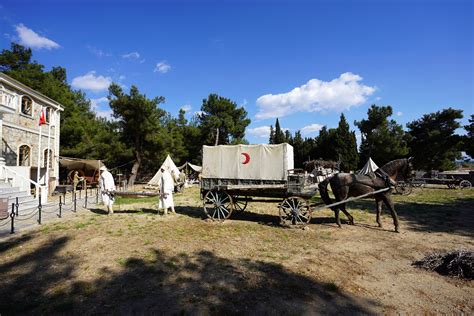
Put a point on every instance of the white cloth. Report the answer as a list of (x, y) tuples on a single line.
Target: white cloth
[(107, 199), (107, 184), (166, 190)]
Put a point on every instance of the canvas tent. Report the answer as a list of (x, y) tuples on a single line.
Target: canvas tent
[(169, 165), (189, 166), (369, 167), (87, 168)]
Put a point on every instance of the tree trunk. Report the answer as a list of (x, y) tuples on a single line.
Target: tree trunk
[(135, 167), (217, 137)]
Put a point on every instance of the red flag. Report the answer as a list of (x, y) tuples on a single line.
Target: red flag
[(42, 118)]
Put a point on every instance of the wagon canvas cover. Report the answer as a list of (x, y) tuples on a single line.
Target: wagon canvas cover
[(256, 162)]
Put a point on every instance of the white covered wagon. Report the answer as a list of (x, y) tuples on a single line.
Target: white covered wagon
[(232, 175)]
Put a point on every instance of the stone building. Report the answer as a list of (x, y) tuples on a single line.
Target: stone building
[(22, 153)]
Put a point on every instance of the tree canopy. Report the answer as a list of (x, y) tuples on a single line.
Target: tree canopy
[(432, 141), (221, 121), (469, 138), (382, 139), (143, 133), (139, 123)]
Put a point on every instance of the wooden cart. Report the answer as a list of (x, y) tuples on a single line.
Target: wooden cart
[(223, 197)]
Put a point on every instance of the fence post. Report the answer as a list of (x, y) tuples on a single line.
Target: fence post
[(12, 216), (85, 202), (75, 201), (60, 205), (17, 205), (96, 195), (39, 209)]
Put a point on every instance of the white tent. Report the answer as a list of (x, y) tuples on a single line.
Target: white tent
[(190, 165), (369, 167), (169, 165)]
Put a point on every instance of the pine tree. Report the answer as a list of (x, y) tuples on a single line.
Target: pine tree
[(325, 144), (271, 139), (433, 144), (288, 138), (279, 134), (346, 146), (139, 120), (298, 150), (221, 121), (469, 138), (383, 140)]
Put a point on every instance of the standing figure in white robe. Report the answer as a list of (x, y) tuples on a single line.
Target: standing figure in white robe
[(166, 192), (107, 188)]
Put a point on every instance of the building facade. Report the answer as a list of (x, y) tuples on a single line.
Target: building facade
[(28, 149)]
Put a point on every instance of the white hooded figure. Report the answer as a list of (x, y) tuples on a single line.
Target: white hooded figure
[(107, 188), (166, 192)]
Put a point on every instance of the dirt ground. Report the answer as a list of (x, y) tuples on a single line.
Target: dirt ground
[(138, 262)]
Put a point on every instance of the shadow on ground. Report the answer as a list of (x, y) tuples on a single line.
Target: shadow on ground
[(454, 216), (124, 211), (45, 282)]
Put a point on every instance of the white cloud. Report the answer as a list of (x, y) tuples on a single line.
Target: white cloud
[(186, 107), (378, 98), (30, 38), (262, 131), (92, 82), (131, 56), (244, 103), (98, 52), (198, 113), (162, 67), (311, 129), (122, 77), (399, 113), (95, 103), (358, 139), (107, 114), (336, 95)]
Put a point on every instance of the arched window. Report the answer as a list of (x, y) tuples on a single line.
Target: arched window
[(45, 158), (24, 156), (26, 105)]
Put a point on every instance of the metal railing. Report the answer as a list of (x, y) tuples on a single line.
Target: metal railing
[(8, 99), (19, 214)]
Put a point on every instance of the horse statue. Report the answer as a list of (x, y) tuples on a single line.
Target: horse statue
[(346, 185)]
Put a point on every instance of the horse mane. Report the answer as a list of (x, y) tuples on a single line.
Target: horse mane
[(392, 166)]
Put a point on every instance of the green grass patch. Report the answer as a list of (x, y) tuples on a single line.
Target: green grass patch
[(128, 200)]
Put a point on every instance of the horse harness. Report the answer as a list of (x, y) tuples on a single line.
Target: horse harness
[(379, 173)]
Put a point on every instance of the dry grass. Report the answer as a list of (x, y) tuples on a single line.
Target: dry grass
[(139, 262)]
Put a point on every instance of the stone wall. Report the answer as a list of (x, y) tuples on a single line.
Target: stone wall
[(20, 129), (13, 138)]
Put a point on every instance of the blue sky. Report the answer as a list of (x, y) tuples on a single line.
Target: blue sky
[(302, 61)]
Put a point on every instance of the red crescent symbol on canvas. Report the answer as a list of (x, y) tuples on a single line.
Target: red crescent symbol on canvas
[(247, 158)]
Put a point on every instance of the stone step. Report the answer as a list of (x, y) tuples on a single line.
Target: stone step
[(4, 184), (31, 206), (7, 192), (22, 198)]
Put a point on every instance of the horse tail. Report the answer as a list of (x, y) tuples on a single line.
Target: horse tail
[(323, 191)]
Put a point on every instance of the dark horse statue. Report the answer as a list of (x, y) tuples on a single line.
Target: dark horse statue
[(346, 185)]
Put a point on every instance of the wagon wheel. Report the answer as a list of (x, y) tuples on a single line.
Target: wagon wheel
[(451, 185), (295, 211), (218, 205), (418, 184), (465, 184), (403, 188), (239, 205)]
